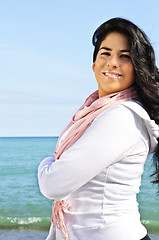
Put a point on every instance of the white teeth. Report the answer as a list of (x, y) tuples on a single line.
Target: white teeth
[(112, 75)]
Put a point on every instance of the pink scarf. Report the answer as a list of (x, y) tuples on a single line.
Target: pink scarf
[(92, 107)]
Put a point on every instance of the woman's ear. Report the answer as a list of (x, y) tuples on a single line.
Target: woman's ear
[(93, 66)]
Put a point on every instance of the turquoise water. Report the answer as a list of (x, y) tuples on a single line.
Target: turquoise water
[(21, 204)]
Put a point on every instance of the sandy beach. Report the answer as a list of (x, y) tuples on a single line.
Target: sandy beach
[(25, 234), (28, 234)]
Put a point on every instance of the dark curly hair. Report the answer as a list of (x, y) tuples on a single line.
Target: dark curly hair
[(146, 72)]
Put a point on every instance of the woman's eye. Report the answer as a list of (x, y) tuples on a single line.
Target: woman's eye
[(105, 53), (125, 56)]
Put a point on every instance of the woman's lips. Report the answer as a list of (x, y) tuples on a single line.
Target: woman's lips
[(112, 75)]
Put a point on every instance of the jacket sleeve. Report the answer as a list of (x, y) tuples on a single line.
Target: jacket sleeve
[(105, 142)]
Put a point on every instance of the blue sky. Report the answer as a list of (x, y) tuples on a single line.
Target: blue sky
[(46, 58)]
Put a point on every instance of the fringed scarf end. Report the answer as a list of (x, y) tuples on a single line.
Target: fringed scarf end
[(57, 218)]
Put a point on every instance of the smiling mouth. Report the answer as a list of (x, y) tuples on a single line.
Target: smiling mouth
[(112, 75)]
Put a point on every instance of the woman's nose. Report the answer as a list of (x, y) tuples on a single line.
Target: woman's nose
[(113, 62)]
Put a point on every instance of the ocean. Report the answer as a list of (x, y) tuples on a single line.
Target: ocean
[(25, 213)]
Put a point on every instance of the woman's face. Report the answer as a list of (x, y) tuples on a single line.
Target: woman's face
[(113, 67)]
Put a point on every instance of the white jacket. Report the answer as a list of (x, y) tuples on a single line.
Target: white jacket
[(100, 175)]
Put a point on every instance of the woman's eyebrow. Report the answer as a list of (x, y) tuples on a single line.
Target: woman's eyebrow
[(106, 48), (125, 50), (109, 49)]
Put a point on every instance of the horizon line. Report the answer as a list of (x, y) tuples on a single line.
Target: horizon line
[(28, 136)]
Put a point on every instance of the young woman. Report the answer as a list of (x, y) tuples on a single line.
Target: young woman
[(100, 156)]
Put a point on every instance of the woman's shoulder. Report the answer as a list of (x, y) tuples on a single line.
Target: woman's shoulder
[(125, 110), (119, 116), (138, 110), (128, 108)]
